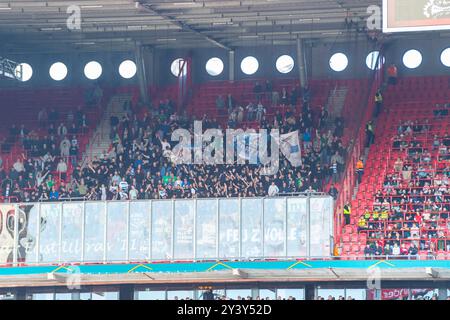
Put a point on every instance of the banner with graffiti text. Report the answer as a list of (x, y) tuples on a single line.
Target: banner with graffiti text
[(160, 230)]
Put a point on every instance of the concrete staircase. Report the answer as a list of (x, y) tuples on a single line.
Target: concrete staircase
[(100, 143), (336, 101), (356, 188)]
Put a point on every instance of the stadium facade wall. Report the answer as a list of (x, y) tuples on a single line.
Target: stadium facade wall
[(318, 56)]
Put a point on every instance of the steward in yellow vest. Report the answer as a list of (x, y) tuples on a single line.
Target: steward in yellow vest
[(347, 213)]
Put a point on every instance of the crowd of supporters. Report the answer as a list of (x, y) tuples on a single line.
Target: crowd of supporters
[(207, 295), (410, 213), (136, 166), (50, 148)]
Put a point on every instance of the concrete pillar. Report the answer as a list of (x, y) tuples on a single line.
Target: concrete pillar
[(126, 292), (310, 292), (21, 294), (255, 293), (231, 64), (141, 74), (301, 63), (149, 57)]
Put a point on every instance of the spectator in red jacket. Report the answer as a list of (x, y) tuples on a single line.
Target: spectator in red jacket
[(403, 250)]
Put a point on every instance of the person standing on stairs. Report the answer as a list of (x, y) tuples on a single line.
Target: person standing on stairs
[(370, 133), (347, 213), (392, 74), (359, 169), (378, 102)]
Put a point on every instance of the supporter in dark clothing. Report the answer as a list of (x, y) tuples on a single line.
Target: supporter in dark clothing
[(333, 192), (369, 250), (257, 90)]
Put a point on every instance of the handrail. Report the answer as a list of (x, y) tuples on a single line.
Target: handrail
[(430, 256), (86, 158), (331, 103)]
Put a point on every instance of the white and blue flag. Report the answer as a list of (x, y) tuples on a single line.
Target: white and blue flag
[(290, 147)]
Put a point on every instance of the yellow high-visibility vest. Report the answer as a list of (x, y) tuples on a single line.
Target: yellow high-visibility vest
[(362, 223), (347, 210)]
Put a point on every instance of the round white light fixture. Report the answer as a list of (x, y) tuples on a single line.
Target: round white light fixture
[(214, 67), (58, 71), (127, 69), (338, 62), (27, 71), (285, 64), (249, 65), (372, 59), (445, 57), (93, 70), (176, 66), (412, 59)]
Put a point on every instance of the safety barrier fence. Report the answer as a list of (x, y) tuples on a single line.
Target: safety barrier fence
[(150, 230)]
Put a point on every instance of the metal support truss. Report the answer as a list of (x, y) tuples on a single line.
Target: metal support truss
[(10, 69)]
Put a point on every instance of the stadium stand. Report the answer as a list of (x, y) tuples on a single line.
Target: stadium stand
[(128, 172), (49, 127), (406, 212)]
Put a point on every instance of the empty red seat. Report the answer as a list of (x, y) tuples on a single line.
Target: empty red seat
[(345, 238)]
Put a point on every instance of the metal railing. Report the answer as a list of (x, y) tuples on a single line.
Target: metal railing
[(431, 257), (218, 228)]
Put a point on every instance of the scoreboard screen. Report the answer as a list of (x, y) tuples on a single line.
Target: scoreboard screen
[(415, 15)]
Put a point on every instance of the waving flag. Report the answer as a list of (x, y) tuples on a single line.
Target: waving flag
[(290, 147)]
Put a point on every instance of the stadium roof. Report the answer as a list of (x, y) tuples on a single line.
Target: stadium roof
[(117, 24)]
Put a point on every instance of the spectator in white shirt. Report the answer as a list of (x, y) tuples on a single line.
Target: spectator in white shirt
[(396, 250), (103, 193), (18, 166), (260, 111), (133, 193), (273, 190), (62, 169), (123, 185), (64, 146)]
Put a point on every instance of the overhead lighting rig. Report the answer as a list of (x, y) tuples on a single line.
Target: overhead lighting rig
[(10, 69)]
